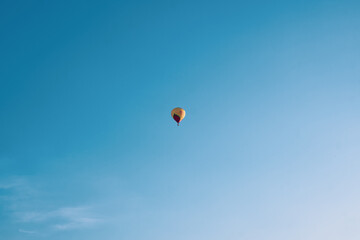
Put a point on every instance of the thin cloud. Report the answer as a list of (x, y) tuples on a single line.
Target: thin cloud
[(12, 183), (78, 224), (65, 218), (20, 198), (32, 216), (27, 231), (7, 186)]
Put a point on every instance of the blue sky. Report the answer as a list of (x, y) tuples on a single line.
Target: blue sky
[(269, 148)]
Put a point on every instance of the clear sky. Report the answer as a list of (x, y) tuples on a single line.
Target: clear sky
[(269, 148)]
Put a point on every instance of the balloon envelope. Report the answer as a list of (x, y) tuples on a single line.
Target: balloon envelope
[(178, 114)]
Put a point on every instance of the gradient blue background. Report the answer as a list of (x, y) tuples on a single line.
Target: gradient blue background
[(269, 149)]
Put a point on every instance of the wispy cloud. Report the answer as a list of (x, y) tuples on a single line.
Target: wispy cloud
[(62, 218), (79, 217), (12, 183), (14, 191), (27, 231), (18, 190), (7, 185), (78, 223)]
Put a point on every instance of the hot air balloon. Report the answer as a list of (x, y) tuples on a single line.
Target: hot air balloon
[(178, 114)]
